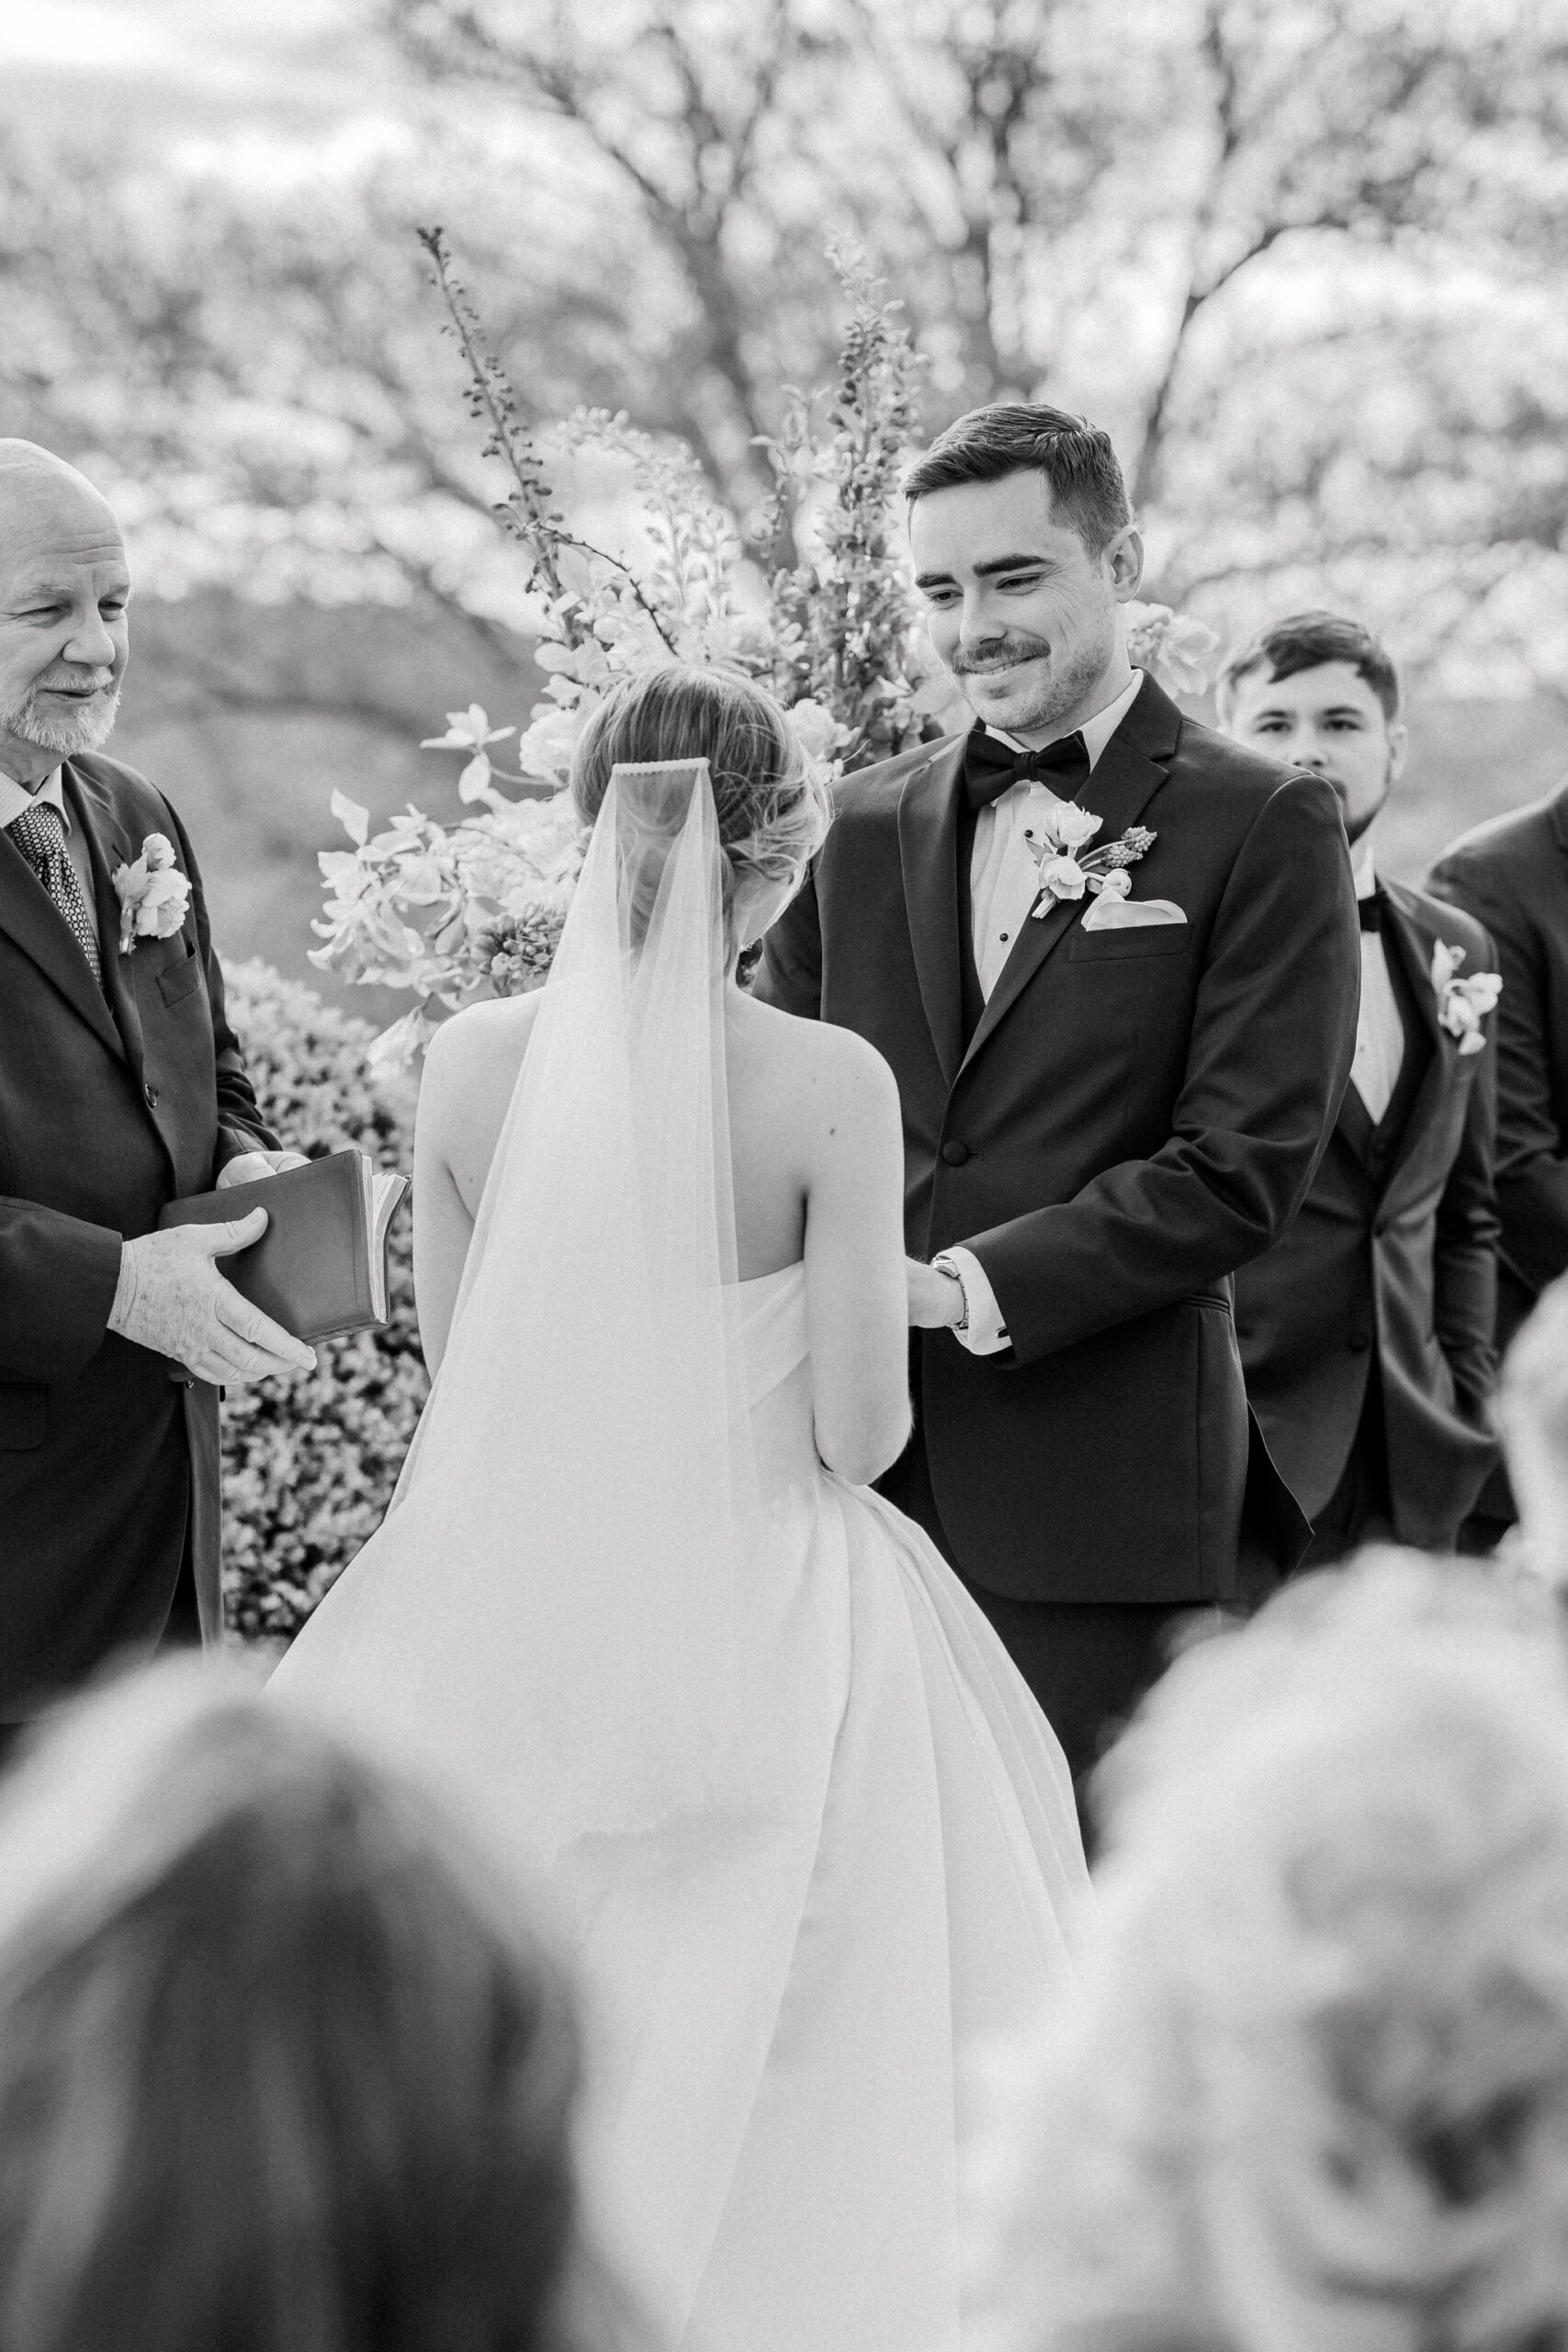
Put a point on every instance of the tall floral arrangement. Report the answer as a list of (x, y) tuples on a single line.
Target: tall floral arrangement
[(476, 908)]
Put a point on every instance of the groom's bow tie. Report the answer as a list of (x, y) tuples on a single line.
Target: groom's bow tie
[(991, 767)]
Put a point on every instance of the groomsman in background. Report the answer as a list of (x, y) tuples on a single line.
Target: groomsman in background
[(1512, 875), (1365, 1331)]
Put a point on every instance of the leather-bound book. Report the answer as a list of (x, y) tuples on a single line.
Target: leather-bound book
[(320, 1267)]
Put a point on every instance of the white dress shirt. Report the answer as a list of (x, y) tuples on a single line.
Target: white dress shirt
[(16, 800), (1004, 877), (1004, 883), (1380, 1031)]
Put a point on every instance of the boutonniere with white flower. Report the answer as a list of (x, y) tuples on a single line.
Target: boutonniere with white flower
[(153, 895), (1463, 1005), (1066, 873)]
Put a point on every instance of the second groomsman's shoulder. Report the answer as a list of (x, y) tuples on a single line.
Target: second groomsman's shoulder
[(1512, 858)]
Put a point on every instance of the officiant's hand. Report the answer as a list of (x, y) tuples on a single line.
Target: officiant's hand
[(246, 1166), (936, 1300), (173, 1299)]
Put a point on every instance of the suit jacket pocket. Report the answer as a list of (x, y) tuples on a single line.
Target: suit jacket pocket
[(24, 1415), (1141, 939), (177, 980)]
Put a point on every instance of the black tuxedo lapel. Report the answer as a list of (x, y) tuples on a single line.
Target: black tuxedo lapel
[(35, 922), (927, 848), (1413, 942), (1131, 768), (108, 847)]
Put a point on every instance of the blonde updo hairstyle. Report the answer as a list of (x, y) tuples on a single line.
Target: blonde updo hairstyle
[(771, 801)]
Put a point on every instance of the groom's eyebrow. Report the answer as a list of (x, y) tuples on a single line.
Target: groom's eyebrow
[(985, 570)]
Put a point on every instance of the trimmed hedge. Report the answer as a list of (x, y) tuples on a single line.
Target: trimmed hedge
[(308, 1466)]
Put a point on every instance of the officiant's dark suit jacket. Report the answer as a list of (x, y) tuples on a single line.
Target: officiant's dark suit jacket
[(108, 1108), (1135, 1114), (1388, 1273), (1512, 875)]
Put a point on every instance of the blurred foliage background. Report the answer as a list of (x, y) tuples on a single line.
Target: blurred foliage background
[(1306, 258)]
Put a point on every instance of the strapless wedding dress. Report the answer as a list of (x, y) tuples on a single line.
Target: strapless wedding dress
[(791, 1998)]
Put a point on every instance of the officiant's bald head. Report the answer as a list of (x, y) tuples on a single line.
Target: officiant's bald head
[(64, 588)]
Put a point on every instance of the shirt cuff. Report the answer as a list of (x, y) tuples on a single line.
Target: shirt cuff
[(986, 1334)]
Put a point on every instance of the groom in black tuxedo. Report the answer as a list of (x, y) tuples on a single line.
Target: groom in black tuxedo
[(121, 1088), (1111, 1099)]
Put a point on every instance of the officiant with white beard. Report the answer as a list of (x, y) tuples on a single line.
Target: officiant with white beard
[(1113, 961), (121, 1088)]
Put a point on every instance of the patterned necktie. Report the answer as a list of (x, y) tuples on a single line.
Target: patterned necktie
[(992, 767), (39, 834)]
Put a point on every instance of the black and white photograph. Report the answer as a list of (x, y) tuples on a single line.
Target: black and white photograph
[(784, 1176)]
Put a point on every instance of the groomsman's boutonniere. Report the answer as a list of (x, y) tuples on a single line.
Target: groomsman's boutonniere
[(153, 894), (1462, 1003), (1064, 874)]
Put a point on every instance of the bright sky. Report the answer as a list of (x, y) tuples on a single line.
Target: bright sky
[(244, 73)]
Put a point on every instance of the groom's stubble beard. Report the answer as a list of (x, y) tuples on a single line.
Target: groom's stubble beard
[(1062, 690), (87, 729)]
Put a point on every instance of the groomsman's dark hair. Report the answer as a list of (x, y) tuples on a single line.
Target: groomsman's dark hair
[(1305, 641), (1087, 493)]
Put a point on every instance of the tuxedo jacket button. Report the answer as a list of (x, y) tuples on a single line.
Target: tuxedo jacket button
[(151, 1092), (955, 1154)]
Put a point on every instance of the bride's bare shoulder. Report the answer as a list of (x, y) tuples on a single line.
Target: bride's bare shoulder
[(472, 1063), (812, 1060)]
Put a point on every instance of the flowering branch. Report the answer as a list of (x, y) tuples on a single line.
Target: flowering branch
[(526, 511)]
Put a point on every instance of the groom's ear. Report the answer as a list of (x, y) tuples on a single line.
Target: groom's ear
[(1123, 558)]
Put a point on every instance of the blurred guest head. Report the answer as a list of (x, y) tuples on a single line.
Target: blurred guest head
[(1024, 550), (1320, 693), (1532, 1411), (281, 2064), (64, 591), (1314, 2093)]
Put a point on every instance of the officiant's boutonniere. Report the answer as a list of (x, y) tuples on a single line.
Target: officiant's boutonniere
[(153, 894), (1462, 1003), (1065, 873)]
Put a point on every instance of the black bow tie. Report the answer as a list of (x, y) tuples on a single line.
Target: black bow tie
[(991, 767), (1371, 911)]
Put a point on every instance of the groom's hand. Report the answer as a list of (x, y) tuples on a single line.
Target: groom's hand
[(936, 1300), (173, 1299)]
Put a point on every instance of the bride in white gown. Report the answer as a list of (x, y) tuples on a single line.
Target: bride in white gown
[(811, 1839)]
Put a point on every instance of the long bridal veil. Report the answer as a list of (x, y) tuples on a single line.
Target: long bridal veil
[(583, 1460)]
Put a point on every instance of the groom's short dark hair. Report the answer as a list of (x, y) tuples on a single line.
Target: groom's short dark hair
[(1087, 493)]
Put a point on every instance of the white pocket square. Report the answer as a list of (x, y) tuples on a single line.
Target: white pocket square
[(1128, 914)]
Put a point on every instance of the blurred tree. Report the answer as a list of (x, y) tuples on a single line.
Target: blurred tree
[(1306, 262)]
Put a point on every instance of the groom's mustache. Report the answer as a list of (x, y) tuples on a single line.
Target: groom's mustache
[(999, 653)]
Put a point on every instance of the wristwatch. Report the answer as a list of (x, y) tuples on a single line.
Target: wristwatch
[(944, 1263)]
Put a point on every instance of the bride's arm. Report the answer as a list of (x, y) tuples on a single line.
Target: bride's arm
[(470, 1068), (856, 1292), (441, 1225)]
